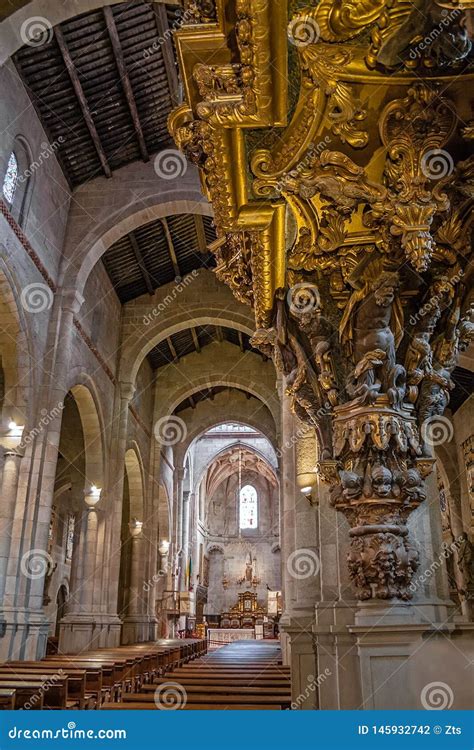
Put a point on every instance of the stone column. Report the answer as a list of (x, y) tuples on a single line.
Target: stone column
[(135, 623), (27, 627), (113, 508), (81, 628), (9, 486), (300, 561)]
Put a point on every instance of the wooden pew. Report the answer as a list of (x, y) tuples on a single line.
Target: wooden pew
[(226, 698), (7, 699), (75, 680)]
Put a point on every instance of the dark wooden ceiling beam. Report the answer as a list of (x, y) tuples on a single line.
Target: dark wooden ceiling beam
[(166, 40), (200, 232), (125, 79), (171, 250), (241, 341), (219, 334), (172, 349), (196, 343), (79, 91), (192, 402), (141, 263)]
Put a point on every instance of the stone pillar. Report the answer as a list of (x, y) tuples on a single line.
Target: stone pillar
[(26, 625), (81, 628), (135, 623), (9, 486), (113, 508), (300, 566)]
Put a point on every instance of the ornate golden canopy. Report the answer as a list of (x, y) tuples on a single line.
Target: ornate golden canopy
[(333, 141)]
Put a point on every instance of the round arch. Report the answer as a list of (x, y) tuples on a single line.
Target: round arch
[(198, 423), (92, 431), (231, 449), (15, 352), (203, 301), (168, 199)]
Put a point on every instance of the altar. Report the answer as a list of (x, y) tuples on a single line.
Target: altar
[(227, 635)]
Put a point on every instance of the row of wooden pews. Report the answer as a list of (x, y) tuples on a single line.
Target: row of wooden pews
[(244, 675), (90, 680)]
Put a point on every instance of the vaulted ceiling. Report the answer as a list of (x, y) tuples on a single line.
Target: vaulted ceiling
[(103, 84)]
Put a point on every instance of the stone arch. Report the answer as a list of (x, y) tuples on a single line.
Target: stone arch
[(199, 419), (15, 354), (169, 198), (92, 427), (216, 366), (203, 301), (230, 449)]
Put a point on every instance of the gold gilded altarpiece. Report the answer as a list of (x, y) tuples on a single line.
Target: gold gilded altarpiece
[(332, 140)]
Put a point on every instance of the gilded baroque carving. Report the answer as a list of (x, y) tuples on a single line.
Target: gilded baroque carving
[(361, 299)]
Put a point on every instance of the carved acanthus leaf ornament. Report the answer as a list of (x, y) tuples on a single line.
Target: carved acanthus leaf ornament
[(344, 217)]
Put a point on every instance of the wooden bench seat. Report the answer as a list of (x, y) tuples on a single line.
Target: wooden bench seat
[(256, 699), (7, 699)]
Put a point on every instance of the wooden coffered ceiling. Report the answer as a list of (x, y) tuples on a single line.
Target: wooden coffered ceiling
[(158, 253), (99, 91)]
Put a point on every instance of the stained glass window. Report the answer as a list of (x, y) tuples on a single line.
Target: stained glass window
[(248, 507), (11, 178)]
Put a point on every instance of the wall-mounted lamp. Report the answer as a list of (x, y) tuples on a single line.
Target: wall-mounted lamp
[(92, 496), (164, 547), (14, 429), (135, 526)]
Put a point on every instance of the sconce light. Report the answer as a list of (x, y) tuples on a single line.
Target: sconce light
[(307, 491), (15, 429), (92, 496), (135, 527), (164, 547)]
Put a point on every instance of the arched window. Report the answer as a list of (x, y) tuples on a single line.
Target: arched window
[(248, 503), (17, 183), (10, 181)]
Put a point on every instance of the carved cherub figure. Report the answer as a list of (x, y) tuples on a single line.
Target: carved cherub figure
[(351, 485), (412, 486), (382, 480)]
